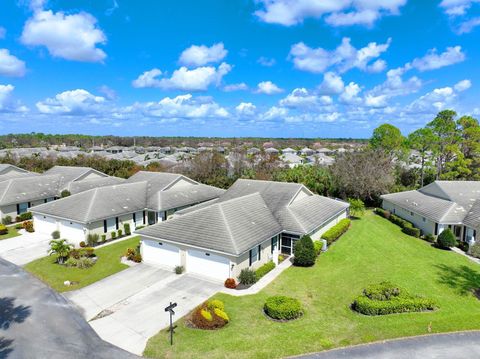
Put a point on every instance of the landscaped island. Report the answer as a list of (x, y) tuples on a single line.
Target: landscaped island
[(373, 250)]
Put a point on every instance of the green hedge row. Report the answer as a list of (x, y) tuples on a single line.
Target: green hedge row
[(399, 304), (264, 269), (336, 231), (407, 227)]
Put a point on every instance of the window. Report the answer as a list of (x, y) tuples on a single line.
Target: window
[(274, 244), (22, 207), (110, 225), (254, 254), (411, 213), (424, 219)]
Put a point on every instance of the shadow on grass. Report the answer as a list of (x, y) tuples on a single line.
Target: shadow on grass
[(9, 313), (461, 278)]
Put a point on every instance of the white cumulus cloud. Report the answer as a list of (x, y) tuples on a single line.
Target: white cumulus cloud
[(74, 102), (72, 37), (433, 60), (202, 55), (332, 84), (268, 88), (246, 109), (10, 65), (344, 57), (302, 98), (241, 86)]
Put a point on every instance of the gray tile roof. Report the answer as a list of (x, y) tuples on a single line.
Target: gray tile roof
[(80, 186), (148, 190), (448, 202), (473, 216), (233, 226), (71, 173), (252, 211), (30, 188)]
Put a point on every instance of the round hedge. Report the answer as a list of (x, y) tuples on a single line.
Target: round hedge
[(283, 308)]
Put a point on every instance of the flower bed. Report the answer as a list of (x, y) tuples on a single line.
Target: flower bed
[(209, 315)]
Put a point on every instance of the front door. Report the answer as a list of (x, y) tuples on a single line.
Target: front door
[(152, 218)]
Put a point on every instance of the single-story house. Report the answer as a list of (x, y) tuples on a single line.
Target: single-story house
[(247, 226), (144, 199), (8, 171), (19, 194), (440, 205)]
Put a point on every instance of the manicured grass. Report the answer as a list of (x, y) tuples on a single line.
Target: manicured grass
[(108, 263), (12, 232), (371, 251)]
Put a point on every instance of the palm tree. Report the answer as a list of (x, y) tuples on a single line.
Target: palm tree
[(60, 248)]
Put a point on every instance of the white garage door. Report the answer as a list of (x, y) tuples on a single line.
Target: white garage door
[(44, 225), (160, 253), (72, 232), (208, 264)]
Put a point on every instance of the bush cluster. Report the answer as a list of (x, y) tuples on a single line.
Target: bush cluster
[(28, 226), (24, 217), (385, 298), (92, 239), (336, 231), (81, 263), (283, 308), (318, 247), (407, 227), (429, 238), (264, 269), (230, 283), (7, 220), (247, 276), (210, 315), (134, 255), (446, 239), (304, 251), (3, 229), (475, 250)]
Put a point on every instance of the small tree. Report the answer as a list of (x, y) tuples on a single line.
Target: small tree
[(357, 207), (446, 239), (60, 248), (304, 251)]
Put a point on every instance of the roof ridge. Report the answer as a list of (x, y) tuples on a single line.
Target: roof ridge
[(10, 181), (295, 218), (228, 227), (91, 202)]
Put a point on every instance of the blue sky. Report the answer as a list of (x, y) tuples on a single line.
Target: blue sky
[(271, 68)]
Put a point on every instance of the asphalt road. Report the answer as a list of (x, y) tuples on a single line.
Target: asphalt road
[(36, 322), (464, 345)]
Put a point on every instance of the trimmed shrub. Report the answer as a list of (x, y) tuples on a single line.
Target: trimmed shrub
[(104, 237), (56, 234), (283, 308), (368, 306), (463, 246), (65, 193), (230, 283), (7, 220), (215, 303), (475, 250), (220, 313), (113, 235), (3, 229), (385, 298), (84, 262), (178, 269), (281, 258), (71, 261), (24, 217), (87, 252), (206, 314), (126, 228), (382, 212), (304, 252), (18, 226), (336, 231), (28, 226), (120, 232), (267, 267), (446, 239), (429, 238), (247, 277), (137, 258), (318, 245), (82, 244), (412, 231), (92, 239)]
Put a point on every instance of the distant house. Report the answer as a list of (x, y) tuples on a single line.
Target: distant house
[(253, 151), (440, 205), (307, 151), (19, 194), (247, 226), (144, 199), (115, 149), (291, 159), (288, 150), (272, 151), (268, 145)]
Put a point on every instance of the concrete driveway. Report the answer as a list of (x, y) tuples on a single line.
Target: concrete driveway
[(134, 301), (37, 322), (23, 249)]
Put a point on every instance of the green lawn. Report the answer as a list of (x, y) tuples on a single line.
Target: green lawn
[(12, 232), (108, 263), (371, 251)]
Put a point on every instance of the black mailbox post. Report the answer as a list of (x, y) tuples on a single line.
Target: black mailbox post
[(172, 313)]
